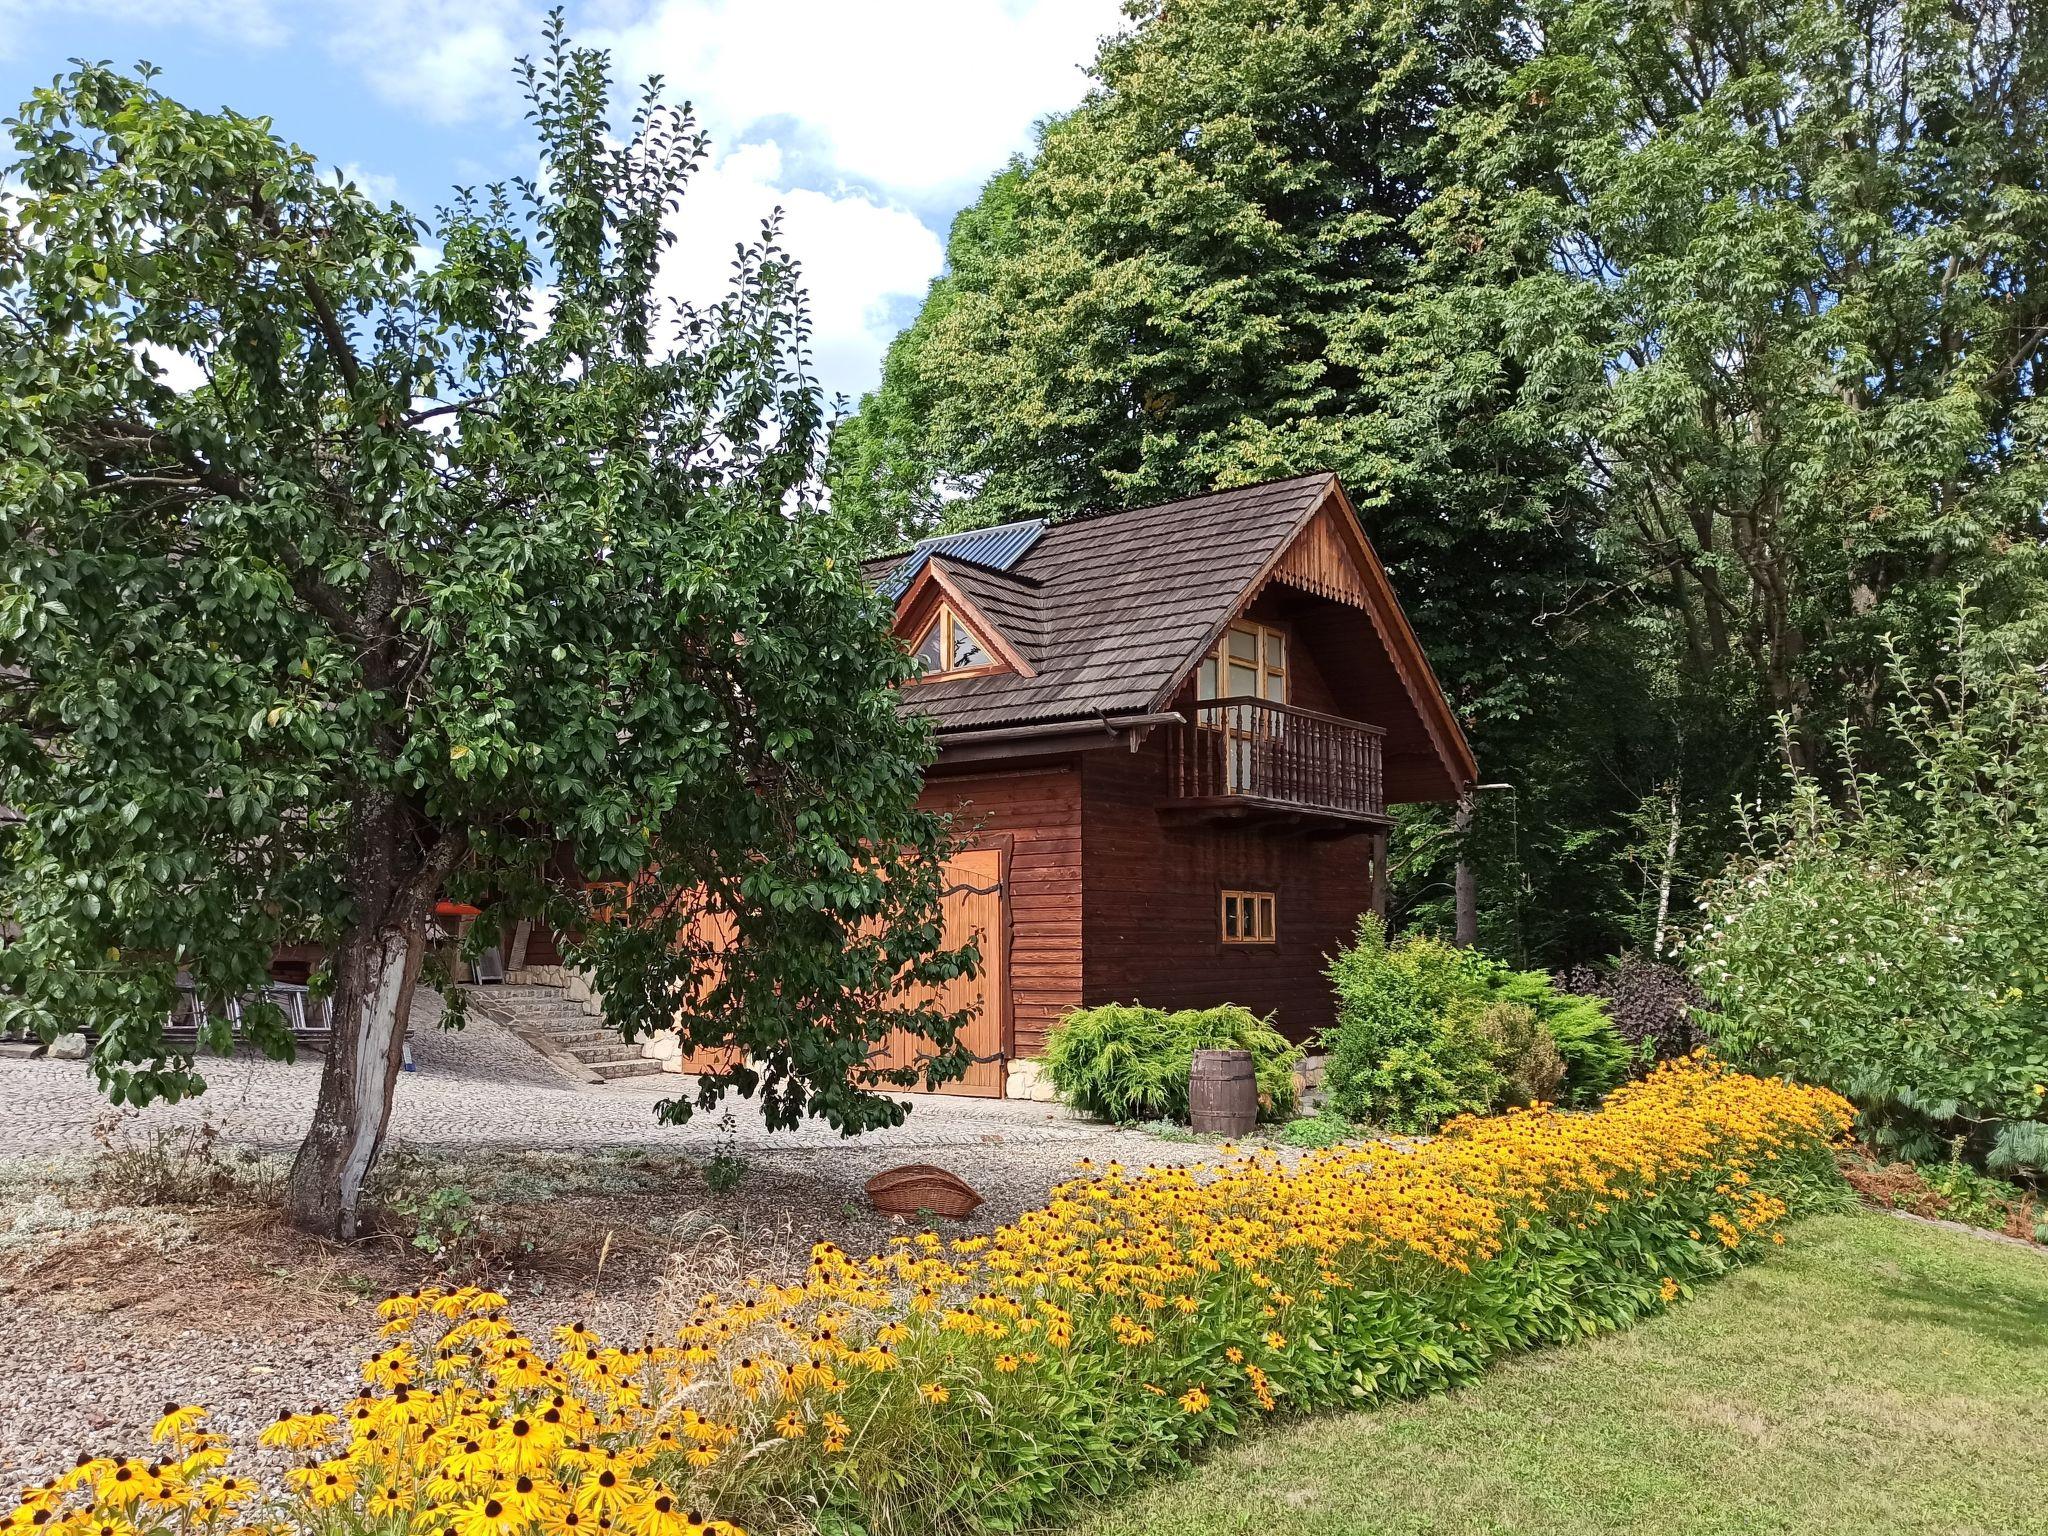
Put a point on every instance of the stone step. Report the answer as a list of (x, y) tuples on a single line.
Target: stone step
[(598, 1052), (640, 1066), (572, 1035)]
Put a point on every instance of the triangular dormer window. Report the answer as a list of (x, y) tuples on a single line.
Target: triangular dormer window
[(949, 647)]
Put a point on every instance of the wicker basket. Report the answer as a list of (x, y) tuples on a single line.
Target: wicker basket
[(921, 1187)]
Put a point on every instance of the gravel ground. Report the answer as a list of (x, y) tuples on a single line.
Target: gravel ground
[(588, 1209)]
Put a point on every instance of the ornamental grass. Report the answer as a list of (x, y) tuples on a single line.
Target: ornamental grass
[(984, 1382)]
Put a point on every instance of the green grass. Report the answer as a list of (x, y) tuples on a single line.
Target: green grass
[(1873, 1375)]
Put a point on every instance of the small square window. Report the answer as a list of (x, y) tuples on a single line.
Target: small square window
[(1248, 917)]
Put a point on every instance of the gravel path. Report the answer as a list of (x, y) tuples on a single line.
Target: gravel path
[(478, 1087), (112, 1311)]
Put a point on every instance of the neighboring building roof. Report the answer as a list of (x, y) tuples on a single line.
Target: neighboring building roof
[(1114, 609)]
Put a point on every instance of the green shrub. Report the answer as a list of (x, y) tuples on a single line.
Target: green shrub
[(1596, 1057), (1887, 938), (1413, 1047), (1125, 1062), (1315, 1131), (1524, 1052)]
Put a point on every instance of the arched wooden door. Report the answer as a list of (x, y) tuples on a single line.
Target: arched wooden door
[(976, 907)]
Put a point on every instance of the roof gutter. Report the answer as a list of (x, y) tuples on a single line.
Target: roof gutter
[(1110, 727)]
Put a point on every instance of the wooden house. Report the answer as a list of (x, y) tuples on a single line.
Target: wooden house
[(1170, 735)]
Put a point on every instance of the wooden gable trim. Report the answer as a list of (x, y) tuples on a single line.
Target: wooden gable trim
[(1381, 607), (918, 607)]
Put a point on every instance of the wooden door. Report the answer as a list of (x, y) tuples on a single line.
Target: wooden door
[(976, 907)]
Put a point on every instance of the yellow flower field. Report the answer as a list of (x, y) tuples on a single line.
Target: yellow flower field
[(985, 1381)]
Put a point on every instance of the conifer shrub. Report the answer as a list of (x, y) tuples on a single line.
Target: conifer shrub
[(1413, 1044), (1125, 1062)]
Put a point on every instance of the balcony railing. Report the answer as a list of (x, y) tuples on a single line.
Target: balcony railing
[(1255, 753)]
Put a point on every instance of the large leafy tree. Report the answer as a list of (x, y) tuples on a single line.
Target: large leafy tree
[(1679, 356), (1793, 316), (489, 572), (1230, 264)]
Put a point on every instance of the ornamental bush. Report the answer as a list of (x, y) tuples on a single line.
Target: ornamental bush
[(1891, 939), (1657, 1009), (1124, 1062), (1409, 1049), (985, 1382)]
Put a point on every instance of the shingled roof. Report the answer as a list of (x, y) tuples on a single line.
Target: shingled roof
[(1114, 606)]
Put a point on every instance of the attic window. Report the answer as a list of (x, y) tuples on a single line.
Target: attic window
[(948, 647)]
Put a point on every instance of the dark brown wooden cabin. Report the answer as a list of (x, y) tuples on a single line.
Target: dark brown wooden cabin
[(1172, 734)]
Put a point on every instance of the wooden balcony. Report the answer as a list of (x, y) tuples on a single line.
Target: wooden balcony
[(1250, 759)]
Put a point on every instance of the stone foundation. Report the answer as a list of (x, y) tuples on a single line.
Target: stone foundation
[(1026, 1078)]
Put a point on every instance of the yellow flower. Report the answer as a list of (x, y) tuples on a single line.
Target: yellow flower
[(1006, 1364), (324, 1485), (488, 1516), (177, 1423), (932, 1392), (1194, 1400), (1668, 1291)]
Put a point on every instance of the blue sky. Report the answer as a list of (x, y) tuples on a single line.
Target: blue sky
[(870, 123)]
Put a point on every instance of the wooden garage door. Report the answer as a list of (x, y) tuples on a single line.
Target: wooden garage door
[(974, 909)]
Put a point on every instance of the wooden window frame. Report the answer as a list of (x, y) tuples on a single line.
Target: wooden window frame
[(1263, 638), (1263, 910), (945, 614)]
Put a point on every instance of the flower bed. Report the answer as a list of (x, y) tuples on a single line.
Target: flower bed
[(985, 1381)]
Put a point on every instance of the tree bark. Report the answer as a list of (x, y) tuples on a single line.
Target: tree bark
[(1467, 879), (392, 888), (374, 976)]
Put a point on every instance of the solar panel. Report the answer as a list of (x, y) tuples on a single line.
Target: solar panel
[(998, 548)]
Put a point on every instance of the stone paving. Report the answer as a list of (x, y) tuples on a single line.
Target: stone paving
[(482, 1087)]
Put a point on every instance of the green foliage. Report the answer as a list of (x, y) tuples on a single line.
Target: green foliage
[(478, 574), (1315, 1131), (1596, 1058), (726, 1169), (1524, 1052), (1891, 944), (1125, 1062), (1426, 1030), (1669, 364)]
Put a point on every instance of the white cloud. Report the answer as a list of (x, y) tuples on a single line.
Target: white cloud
[(919, 97), (848, 116), (374, 185), (857, 254), (448, 60)]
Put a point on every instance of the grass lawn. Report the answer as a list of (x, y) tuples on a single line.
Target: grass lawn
[(1872, 1375)]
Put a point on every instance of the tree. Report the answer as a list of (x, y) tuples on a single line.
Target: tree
[(1677, 357), (489, 571), (1889, 942), (1793, 317)]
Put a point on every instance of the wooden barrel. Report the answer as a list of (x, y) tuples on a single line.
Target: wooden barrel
[(1223, 1095)]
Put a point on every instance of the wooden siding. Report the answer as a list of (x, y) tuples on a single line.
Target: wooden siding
[(1152, 889), (1034, 813)]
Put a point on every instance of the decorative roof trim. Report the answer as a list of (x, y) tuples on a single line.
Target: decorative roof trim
[(1384, 611)]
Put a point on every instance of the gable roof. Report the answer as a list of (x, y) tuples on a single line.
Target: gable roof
[(1115, 609)]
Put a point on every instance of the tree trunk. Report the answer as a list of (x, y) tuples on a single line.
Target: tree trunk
[(392, 885), (374, 977), (1664, 880), (1467, 879)]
